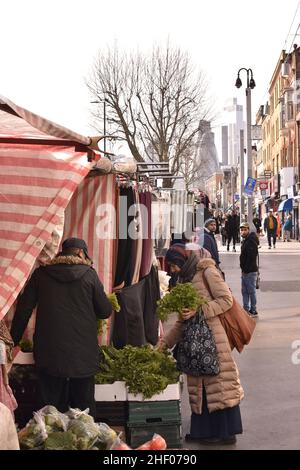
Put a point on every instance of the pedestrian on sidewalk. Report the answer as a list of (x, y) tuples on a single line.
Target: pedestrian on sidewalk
[(270, 227), (214, 400), (69, 298), (287, 228), (249, 267), (278, 231), (232, 229), (210, 243)]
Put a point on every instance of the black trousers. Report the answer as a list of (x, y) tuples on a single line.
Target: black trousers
[(65, 393), (271, 235), (233, 237)]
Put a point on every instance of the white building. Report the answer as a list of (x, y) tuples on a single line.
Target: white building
[(233, 120)]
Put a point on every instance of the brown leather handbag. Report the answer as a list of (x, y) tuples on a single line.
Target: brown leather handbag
[(238, 325)]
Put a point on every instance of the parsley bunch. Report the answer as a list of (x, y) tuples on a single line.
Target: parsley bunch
[(144, 369), (182, 296)]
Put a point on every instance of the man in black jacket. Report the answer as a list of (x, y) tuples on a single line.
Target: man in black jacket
[(210, 243), (69, 298), (248, 263), (270, 226)]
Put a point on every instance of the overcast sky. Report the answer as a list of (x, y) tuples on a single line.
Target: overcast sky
[(48, 47)]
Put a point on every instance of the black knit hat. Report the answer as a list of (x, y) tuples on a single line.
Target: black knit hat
[(76, 243)]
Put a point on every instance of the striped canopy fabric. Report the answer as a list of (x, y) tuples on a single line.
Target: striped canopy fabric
[(91, 215), (41, 166), (36, 185)]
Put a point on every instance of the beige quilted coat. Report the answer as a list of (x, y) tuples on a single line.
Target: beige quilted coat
[(223, 390)]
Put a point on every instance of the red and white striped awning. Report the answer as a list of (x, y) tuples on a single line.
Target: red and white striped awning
[(41, 166)]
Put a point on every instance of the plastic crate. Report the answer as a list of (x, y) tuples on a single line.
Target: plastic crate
[(111, 392), (171, 432), (150, 412), (171, 392), (113, 413)]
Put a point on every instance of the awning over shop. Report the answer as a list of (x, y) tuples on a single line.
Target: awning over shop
[(286, 205)]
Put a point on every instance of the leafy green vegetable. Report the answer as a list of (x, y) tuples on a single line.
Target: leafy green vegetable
[(144, 369), (114, 302), (115, 306), (182, 296), (60, 441), (26, 345)]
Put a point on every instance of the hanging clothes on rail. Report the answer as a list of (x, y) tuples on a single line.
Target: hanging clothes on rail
[(178, 211), (152, 295), (129, 322), (137, 244), (161, 211), (124, 262), (145, 202)]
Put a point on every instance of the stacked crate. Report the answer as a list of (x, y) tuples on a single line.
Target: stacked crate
[(111, 405), (160, 415)]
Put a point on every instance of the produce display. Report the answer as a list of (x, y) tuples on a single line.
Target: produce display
[(75, 430), (144, 369), (183, 296)]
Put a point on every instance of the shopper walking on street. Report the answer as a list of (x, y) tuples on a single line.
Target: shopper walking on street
[(214, 400), (210, 243), (287, 228), (249, 267), (270, 227), (69, 298), (232, 228), (278, 231)]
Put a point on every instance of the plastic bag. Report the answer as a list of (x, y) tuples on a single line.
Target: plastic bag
[(34, 434), (118, 444), (157, 443), (55, 421)]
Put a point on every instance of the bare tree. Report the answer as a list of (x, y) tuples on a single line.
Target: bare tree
[(156, 102)]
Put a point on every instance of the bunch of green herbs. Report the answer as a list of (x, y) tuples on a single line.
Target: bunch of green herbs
[(144, 369), (183, 296)]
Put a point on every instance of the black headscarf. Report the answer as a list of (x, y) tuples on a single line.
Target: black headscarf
[(177, 255)]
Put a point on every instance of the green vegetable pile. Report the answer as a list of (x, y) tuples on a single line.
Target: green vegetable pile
[(182, 296), (144, 369), (75, 430)]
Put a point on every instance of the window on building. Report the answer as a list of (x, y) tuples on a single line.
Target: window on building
[(277, 129), (289, 105), (273, 135)]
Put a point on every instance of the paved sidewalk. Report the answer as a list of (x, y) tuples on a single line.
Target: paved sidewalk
[(281, 247)]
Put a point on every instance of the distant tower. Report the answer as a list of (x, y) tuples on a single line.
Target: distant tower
[(225, 145), (206, 154), (233, 120)]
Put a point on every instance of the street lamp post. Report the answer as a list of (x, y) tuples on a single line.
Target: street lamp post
[(250, 85)]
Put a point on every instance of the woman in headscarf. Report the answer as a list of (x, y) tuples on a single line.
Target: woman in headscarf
[(6, 348), (214, 400)]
